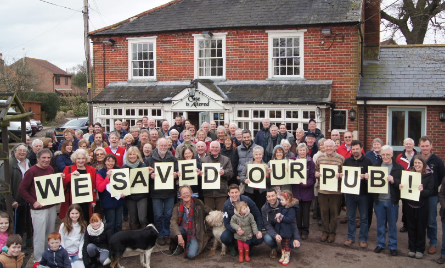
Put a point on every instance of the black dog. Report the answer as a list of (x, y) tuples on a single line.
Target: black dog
[(139, 240)]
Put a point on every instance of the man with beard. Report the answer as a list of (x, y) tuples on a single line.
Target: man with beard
[(97, 129), (98, 141), (262, 136), (244, 152), (273, 141)]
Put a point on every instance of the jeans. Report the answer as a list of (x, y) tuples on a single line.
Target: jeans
[(352, 203), (228, 239), (193, 248), (431, 231), (94, 251), (272, 243), (442, 252), (386, 211), (162, 212), (113, 217)]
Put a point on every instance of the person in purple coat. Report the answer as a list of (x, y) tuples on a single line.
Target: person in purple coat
[(304, 192)]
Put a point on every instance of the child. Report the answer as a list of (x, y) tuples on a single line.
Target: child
[(243, 220), (96, 241), (13, 258), (285, 222), (55, 256), (72, 231), (5, 228)]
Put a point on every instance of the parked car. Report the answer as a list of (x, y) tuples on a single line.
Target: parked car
[(79, 123), (36, 126), (16, 127)]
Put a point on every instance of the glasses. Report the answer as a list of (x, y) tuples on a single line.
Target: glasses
[(348, 137), (22, 151)]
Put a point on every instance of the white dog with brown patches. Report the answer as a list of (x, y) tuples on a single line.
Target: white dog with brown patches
[(215, 219)]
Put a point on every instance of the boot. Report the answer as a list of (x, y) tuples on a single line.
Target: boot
[(286, 258), (282, 256), (241, 255), (246, 255)]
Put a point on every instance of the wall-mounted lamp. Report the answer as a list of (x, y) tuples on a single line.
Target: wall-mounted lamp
[(192, 88), (207, 34), (326, 32), (352, 114), (108, 42), (442, 115)]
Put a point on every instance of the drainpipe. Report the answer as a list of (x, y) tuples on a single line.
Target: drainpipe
[(365, 124), (362, 54)]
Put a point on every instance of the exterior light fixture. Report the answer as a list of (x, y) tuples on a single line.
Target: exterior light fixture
[(192, 88), (207, 34), (326, 32), (442, 115), (352, 114), (108, 42)]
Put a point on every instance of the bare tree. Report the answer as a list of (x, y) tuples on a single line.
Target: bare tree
[(18, 77), (414, 18)]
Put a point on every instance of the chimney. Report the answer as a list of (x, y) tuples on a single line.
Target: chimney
[(372, 29)]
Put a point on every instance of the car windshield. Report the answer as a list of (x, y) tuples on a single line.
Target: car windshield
[(75, 123)]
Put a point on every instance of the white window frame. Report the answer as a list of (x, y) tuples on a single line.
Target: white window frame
[(141, 40), (285, 34), (423, 128), (215, 36)]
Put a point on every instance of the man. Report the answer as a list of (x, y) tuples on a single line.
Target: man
[(68, 134), (335, 134), (145, 122), (201, 148), (134, 130), (284, 134), (28, 143), (374, 154), (179, 126), (186, 144), (273, 141), (163, 200), (386, 206), (314, 130), (144, 137), (312, 146), (119, 152), (43, 217), (269, 212), (244, 152), (358, 201), (118, 129), (18, 165), (227, 237), (154, 135), (299, 138), (98, 141), (329, 201), (345, 148), (152, 126), (165, 129), (215, 199), (232, 128), (213, 126), (139, 124), (36, 146), (97, 129), (262, 136), (435, 163), (206, 127), (174, 134)]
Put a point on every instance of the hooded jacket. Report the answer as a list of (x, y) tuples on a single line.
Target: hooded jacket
[(58, 258), (7, 260), (150, 162), (229, 211), (246, 223), (269, 220), (288, 216), (243, 155), (403, 160)]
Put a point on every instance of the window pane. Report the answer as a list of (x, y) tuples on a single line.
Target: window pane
[(398, 128), (414, 123)]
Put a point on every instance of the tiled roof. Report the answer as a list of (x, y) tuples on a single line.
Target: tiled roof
[(180, 15), (48, 65), (405, 72), (232, 91)]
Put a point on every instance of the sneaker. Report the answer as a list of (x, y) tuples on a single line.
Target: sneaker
[(419, 255), (348, 243), (441, 260), (411, 254)]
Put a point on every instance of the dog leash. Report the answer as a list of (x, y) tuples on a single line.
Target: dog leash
[(166, 253)]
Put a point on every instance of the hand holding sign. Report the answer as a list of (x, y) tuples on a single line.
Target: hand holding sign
[(120, 182), (328, 178), (49, 190), (81, 189), (378, 180), (187, 172), (256, 174), (410, 185), (211, 176), (164, 177)]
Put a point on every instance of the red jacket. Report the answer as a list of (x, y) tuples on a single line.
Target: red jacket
[(119, 155), (67, 181), (342, 150)]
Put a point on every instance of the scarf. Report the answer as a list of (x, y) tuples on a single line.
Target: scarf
[(95, 232), (191, 230), (133, 165)]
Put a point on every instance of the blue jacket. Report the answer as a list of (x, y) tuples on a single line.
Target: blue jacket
[(55, 259), (269, 219), (62, 161), (75, 144), (106, 201), (229, 210), (285, 228)]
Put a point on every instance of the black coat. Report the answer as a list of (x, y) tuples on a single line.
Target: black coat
[(396, 173)]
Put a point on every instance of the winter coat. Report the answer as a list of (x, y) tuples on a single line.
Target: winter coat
[(262, 137), (435, 163), (317, 133), (403, 160), (269, 220), (201, 211), (285, 227), (150, 162), (75, 144), (373, 157), (428, 189), (229, 211), (396, 173), (63, 160), (226, 165), (243, 155), (7, 260), (16, 178), (231, 154), (289, 136), (101, 241), (55, 259), (305, 192), (136, 197), (441, 196), (246, 223), (106, 201)]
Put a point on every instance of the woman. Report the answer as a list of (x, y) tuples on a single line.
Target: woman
[(63, 159), (304, 192), (126, 126), (129, 139), (257, 195), (80, 157), (192, 130), (228, 150), (187, 125), (220, 134), (99, 158), (187, 143), (55, 144), (170, 145), (189, 154), (320, 149), (83, 144), (111, 207), (136, 203), (146, 150), (187, 225), (86, 136), (202, 136), (238, 137), (279, 154), (286, 145), (417, 211), (227, 127)]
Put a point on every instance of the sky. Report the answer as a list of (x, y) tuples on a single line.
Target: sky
[(41, 30)]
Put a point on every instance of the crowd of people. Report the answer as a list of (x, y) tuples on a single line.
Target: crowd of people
[(277, 215)]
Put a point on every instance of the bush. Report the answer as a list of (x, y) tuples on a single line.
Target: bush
[(60, 117), (81, 110), (64, 108), (50, 102)]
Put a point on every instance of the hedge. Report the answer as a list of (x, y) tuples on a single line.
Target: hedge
[(50, 102)]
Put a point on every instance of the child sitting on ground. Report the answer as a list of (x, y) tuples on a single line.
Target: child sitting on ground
[(55, 256), (13, 258), (96, 242), (244, 224), (285, 222)]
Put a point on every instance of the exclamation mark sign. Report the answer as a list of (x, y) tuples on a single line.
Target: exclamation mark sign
[(410, 179)]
